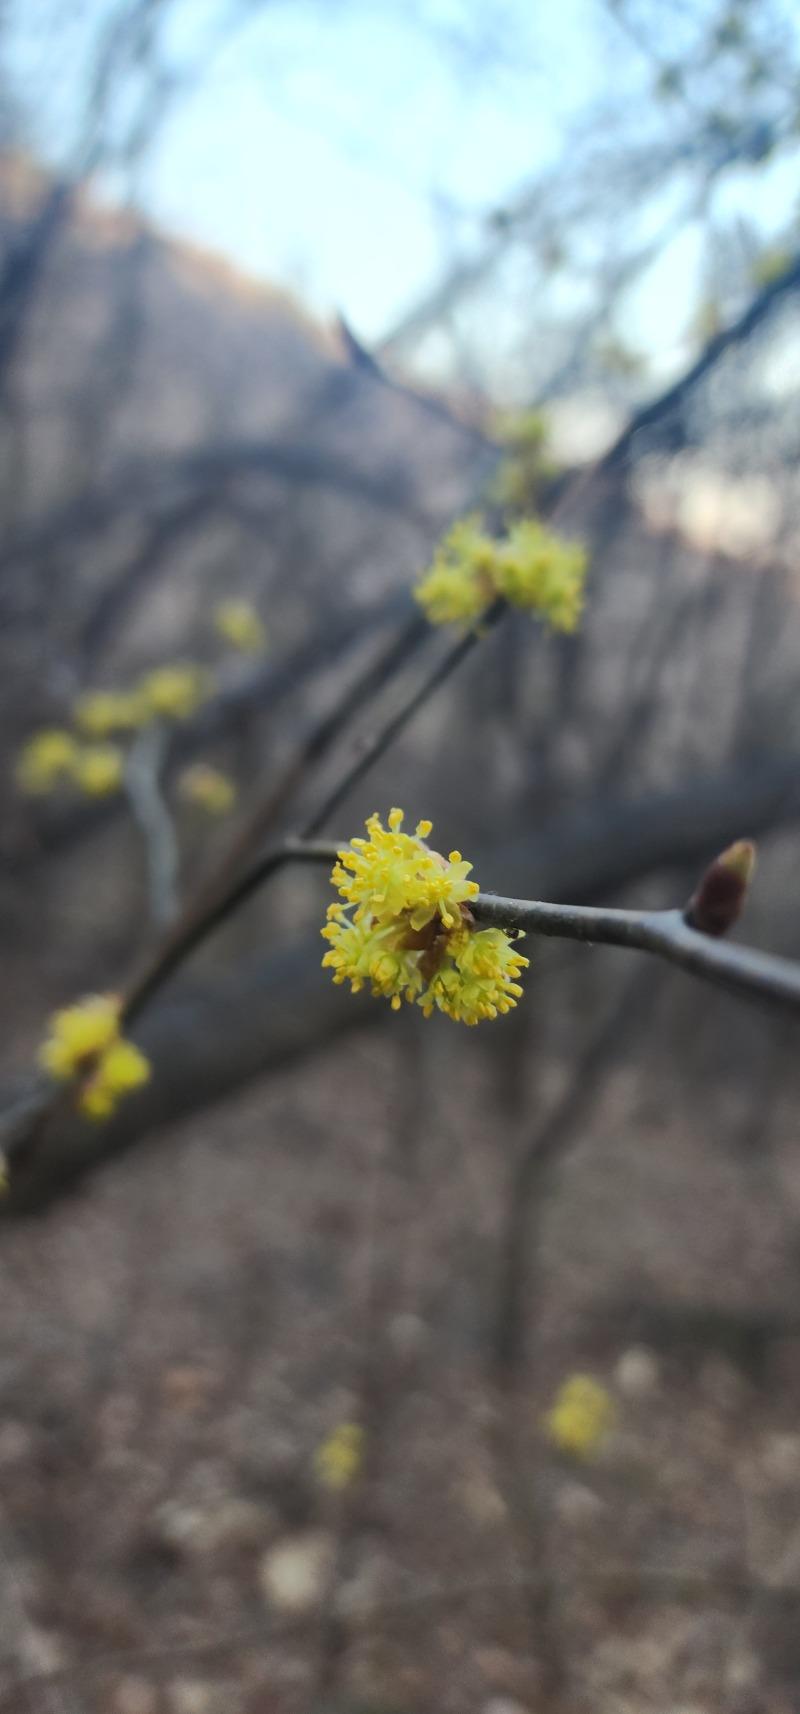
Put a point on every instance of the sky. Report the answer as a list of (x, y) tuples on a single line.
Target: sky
[(316, 135), (341, 149), (355, 125)]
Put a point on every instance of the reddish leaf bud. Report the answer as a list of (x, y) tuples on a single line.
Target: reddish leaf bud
[(720, 898)]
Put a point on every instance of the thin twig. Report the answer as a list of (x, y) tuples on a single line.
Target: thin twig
[(216, 905), (191, 931), (665, 933), (313, 746)]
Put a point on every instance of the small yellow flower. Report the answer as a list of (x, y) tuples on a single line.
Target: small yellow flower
[(98, 769), (530, 567), (85, 1043), (45, 761), (338, 1460), (459, 586), (120, 1069), (405, 930), (581, 1417), (78, 1034), (208, 789), (392, 873), (239, 623), (538, 571), (174, 692), (481, 981), (102, 713)]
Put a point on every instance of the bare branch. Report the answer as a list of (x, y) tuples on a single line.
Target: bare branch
[(672, 400), (665, 933), (143, 783), (214, 905)]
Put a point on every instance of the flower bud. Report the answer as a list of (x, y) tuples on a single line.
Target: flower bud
[(720, 897)]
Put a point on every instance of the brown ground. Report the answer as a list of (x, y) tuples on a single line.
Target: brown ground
[(181, 1335)]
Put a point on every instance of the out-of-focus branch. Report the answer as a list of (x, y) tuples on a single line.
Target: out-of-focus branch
[(144, 483), (204, 1040), (674, 397), (214, 904), (318, 739), (150, 811), (263, 689)]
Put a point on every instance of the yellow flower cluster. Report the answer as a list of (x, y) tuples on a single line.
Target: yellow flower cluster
[(239, 623), (208, 789), (174, 692), (581, 1417), (168, 693), (405, 929), (98, 769), (103, 713), (537, 570), (45, 761), (85, 1043), (338, 1460), (459, 585), (530, 567), (55, 757)]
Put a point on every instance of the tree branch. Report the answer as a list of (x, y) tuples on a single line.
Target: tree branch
[(215, 905), (143, 783), (204, 1044), (665, 933), (673, 399)]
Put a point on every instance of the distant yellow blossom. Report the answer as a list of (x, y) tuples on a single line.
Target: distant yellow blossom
[(45, 760), (519, 479), (79, 1033), (530, 567), (459, 585), (405, 928), (536, 570), (98, 769), (338, 1460), (174, 692), (581, 1417), (85, 1043), (208, 789), (239, 623), (120, 1069), (102, 713)]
